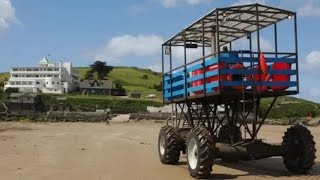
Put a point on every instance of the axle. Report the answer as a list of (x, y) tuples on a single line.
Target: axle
[(248, 150)]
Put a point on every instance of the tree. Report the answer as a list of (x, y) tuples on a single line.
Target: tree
[(101, 69), (145, 76), (89, 74), (118, 84), (158, 87), (12, 90)]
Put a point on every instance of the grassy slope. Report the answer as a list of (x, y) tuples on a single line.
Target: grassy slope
[(289, 107), (4, 75), (131, 79)]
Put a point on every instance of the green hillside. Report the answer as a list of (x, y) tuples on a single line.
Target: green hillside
[(131, 78), (290, 107), (4, 75)]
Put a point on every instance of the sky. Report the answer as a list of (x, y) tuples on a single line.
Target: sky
[(130, 32)]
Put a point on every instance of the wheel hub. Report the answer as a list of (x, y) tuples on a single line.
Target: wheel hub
[(162, 145), (192, 153)]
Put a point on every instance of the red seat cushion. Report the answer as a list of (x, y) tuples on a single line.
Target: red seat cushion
[(280, 77)]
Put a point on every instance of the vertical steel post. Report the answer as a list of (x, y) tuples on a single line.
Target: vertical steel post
[(296, 49), (203, 62), (163, 84), (185, 66), (218, 47), (254, 124), (250, 43), (258, 29), (276, 39), (170, 57)]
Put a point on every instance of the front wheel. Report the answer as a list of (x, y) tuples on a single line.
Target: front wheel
[(200, 152), (300, 153), (168, 145)]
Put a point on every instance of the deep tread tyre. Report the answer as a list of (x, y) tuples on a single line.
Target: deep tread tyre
[(224, 137), (200, 149), (300, 154), (168, 145), (224, 134)]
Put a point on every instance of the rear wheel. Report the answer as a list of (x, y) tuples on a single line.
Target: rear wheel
[(300, 154), (168, 145), (225, 132), (224, 137), (200, 152)]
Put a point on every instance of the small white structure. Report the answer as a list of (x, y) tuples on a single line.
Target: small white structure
[(151, 96), (47, 77)]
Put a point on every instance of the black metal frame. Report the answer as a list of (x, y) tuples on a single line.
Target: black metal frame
[(203, 109)]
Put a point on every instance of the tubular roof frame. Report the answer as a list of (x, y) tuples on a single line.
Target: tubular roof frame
[(234, 23)]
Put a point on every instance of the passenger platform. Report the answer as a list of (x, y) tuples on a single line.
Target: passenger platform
[(232, 74)]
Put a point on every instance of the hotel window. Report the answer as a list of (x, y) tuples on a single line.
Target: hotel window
[(58, 83), (29, 82), (52, 82), (37, 82), (18, 83), (24, 83)]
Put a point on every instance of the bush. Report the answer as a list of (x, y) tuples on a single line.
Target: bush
[(145, 76), (12, 90), (119, 106)]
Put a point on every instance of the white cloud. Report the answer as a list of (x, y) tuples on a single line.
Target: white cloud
[(128, 45), (7, 15), (138, 9), (243, 44), (311, 94), (243, 2), (192, 54), (266, 45), (304, 8), (174, 3), (309, 8), (312, 62), (145, 46), (156, 67), (315, 94)]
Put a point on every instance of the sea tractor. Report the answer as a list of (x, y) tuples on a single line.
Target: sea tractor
[(216, 98)]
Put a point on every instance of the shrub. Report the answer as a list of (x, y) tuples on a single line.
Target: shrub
[(119, 106)]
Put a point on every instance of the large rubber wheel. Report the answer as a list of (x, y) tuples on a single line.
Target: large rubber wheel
[(224, 134), (168, 145), (224, 137), (200, 152), (300, 154)]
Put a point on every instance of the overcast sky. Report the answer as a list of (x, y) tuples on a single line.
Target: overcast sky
[(130, 32)]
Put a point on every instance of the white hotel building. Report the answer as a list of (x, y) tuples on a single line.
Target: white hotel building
[(47, 77)]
